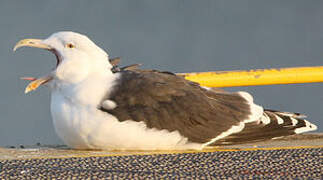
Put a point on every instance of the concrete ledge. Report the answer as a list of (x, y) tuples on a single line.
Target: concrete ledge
[(60, 151), (295, 157)]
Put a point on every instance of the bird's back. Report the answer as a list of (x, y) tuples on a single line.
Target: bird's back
[(163, 100)]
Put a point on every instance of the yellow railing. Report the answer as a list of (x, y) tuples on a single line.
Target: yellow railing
[(257, 77)]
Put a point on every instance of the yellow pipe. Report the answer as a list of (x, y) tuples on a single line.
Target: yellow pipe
[(257, 77)]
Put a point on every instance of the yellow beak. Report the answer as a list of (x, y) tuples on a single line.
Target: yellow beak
[(37, 43)]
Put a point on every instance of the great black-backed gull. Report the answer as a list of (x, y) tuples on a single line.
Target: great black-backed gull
[(96, 105)]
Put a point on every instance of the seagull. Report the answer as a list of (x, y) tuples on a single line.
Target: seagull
[(97, 105)]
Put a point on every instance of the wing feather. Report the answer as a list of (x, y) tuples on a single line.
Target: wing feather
[(166, 101)]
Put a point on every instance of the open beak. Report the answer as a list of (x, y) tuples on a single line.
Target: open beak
[(35, 82), (37, 43)]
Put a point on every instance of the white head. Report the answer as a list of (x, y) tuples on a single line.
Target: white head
[(77, 58)]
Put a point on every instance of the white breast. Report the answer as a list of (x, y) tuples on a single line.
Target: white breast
[(82, 125)]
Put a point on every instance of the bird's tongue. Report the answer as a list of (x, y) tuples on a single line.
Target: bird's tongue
[(35, 83), (28, 78)]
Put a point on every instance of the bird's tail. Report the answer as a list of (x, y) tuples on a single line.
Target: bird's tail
[(273, 124)]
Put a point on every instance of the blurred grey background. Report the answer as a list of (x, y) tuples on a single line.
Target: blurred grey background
[(174, 35)]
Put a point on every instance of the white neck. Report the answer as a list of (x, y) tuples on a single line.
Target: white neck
[(89, 91)]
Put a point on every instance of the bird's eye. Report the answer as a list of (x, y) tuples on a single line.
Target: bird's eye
[(70, 45)]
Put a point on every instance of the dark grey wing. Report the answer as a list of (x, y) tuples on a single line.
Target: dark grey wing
[(279, 124), (167, 101)]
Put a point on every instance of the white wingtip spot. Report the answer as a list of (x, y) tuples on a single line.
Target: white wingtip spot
[(308, 127), (294, 121), (265, 119), (108, 104), (279, 120)]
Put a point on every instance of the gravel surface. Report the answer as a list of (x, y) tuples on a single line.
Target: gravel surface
[(257, 164)]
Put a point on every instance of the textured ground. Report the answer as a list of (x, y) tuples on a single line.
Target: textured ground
[(240, 162), (271, 164)]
